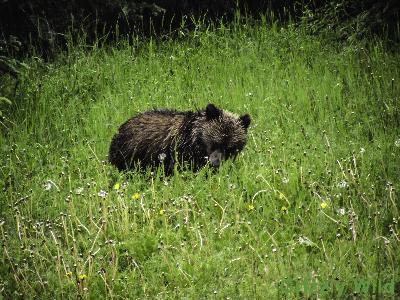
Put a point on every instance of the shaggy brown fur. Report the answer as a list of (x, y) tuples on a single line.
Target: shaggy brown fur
[(166, 137)]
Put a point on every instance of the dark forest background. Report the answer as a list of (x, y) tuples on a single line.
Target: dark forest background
[(44, 25)]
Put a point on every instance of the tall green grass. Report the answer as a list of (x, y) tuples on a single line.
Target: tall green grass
[(309, 209)]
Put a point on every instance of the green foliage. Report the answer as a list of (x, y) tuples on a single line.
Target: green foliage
[(354, 20), (9, 66), (38, 25), (312, 202)]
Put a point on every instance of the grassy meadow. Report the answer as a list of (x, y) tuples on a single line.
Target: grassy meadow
[(310, 209)]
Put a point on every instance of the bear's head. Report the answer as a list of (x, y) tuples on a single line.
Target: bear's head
[(222, 133)]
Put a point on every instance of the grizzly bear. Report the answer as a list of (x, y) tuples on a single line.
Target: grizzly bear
[(168, 137)]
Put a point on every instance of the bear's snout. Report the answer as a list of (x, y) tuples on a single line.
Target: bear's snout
[(216, 158)]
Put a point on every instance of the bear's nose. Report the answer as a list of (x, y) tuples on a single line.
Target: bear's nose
[(215, 158)]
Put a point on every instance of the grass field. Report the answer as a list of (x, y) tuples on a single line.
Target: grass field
[(310, 209)]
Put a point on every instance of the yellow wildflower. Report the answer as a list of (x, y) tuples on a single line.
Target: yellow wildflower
[(82, 276), (68, 274), (135, 196), (162, 212), (324, 205), (284, 209), (250, 207), (117, 186)]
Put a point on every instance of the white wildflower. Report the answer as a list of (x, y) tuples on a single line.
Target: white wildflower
[(303, 240), (397, 142), (102, 194), (341, 211), (79, 190), (342, 184), (49, 184)]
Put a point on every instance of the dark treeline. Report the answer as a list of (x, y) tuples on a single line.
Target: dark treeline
[(44, 25)]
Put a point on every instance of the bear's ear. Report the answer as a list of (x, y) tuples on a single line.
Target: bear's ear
[(212, 112), (245, 119)]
